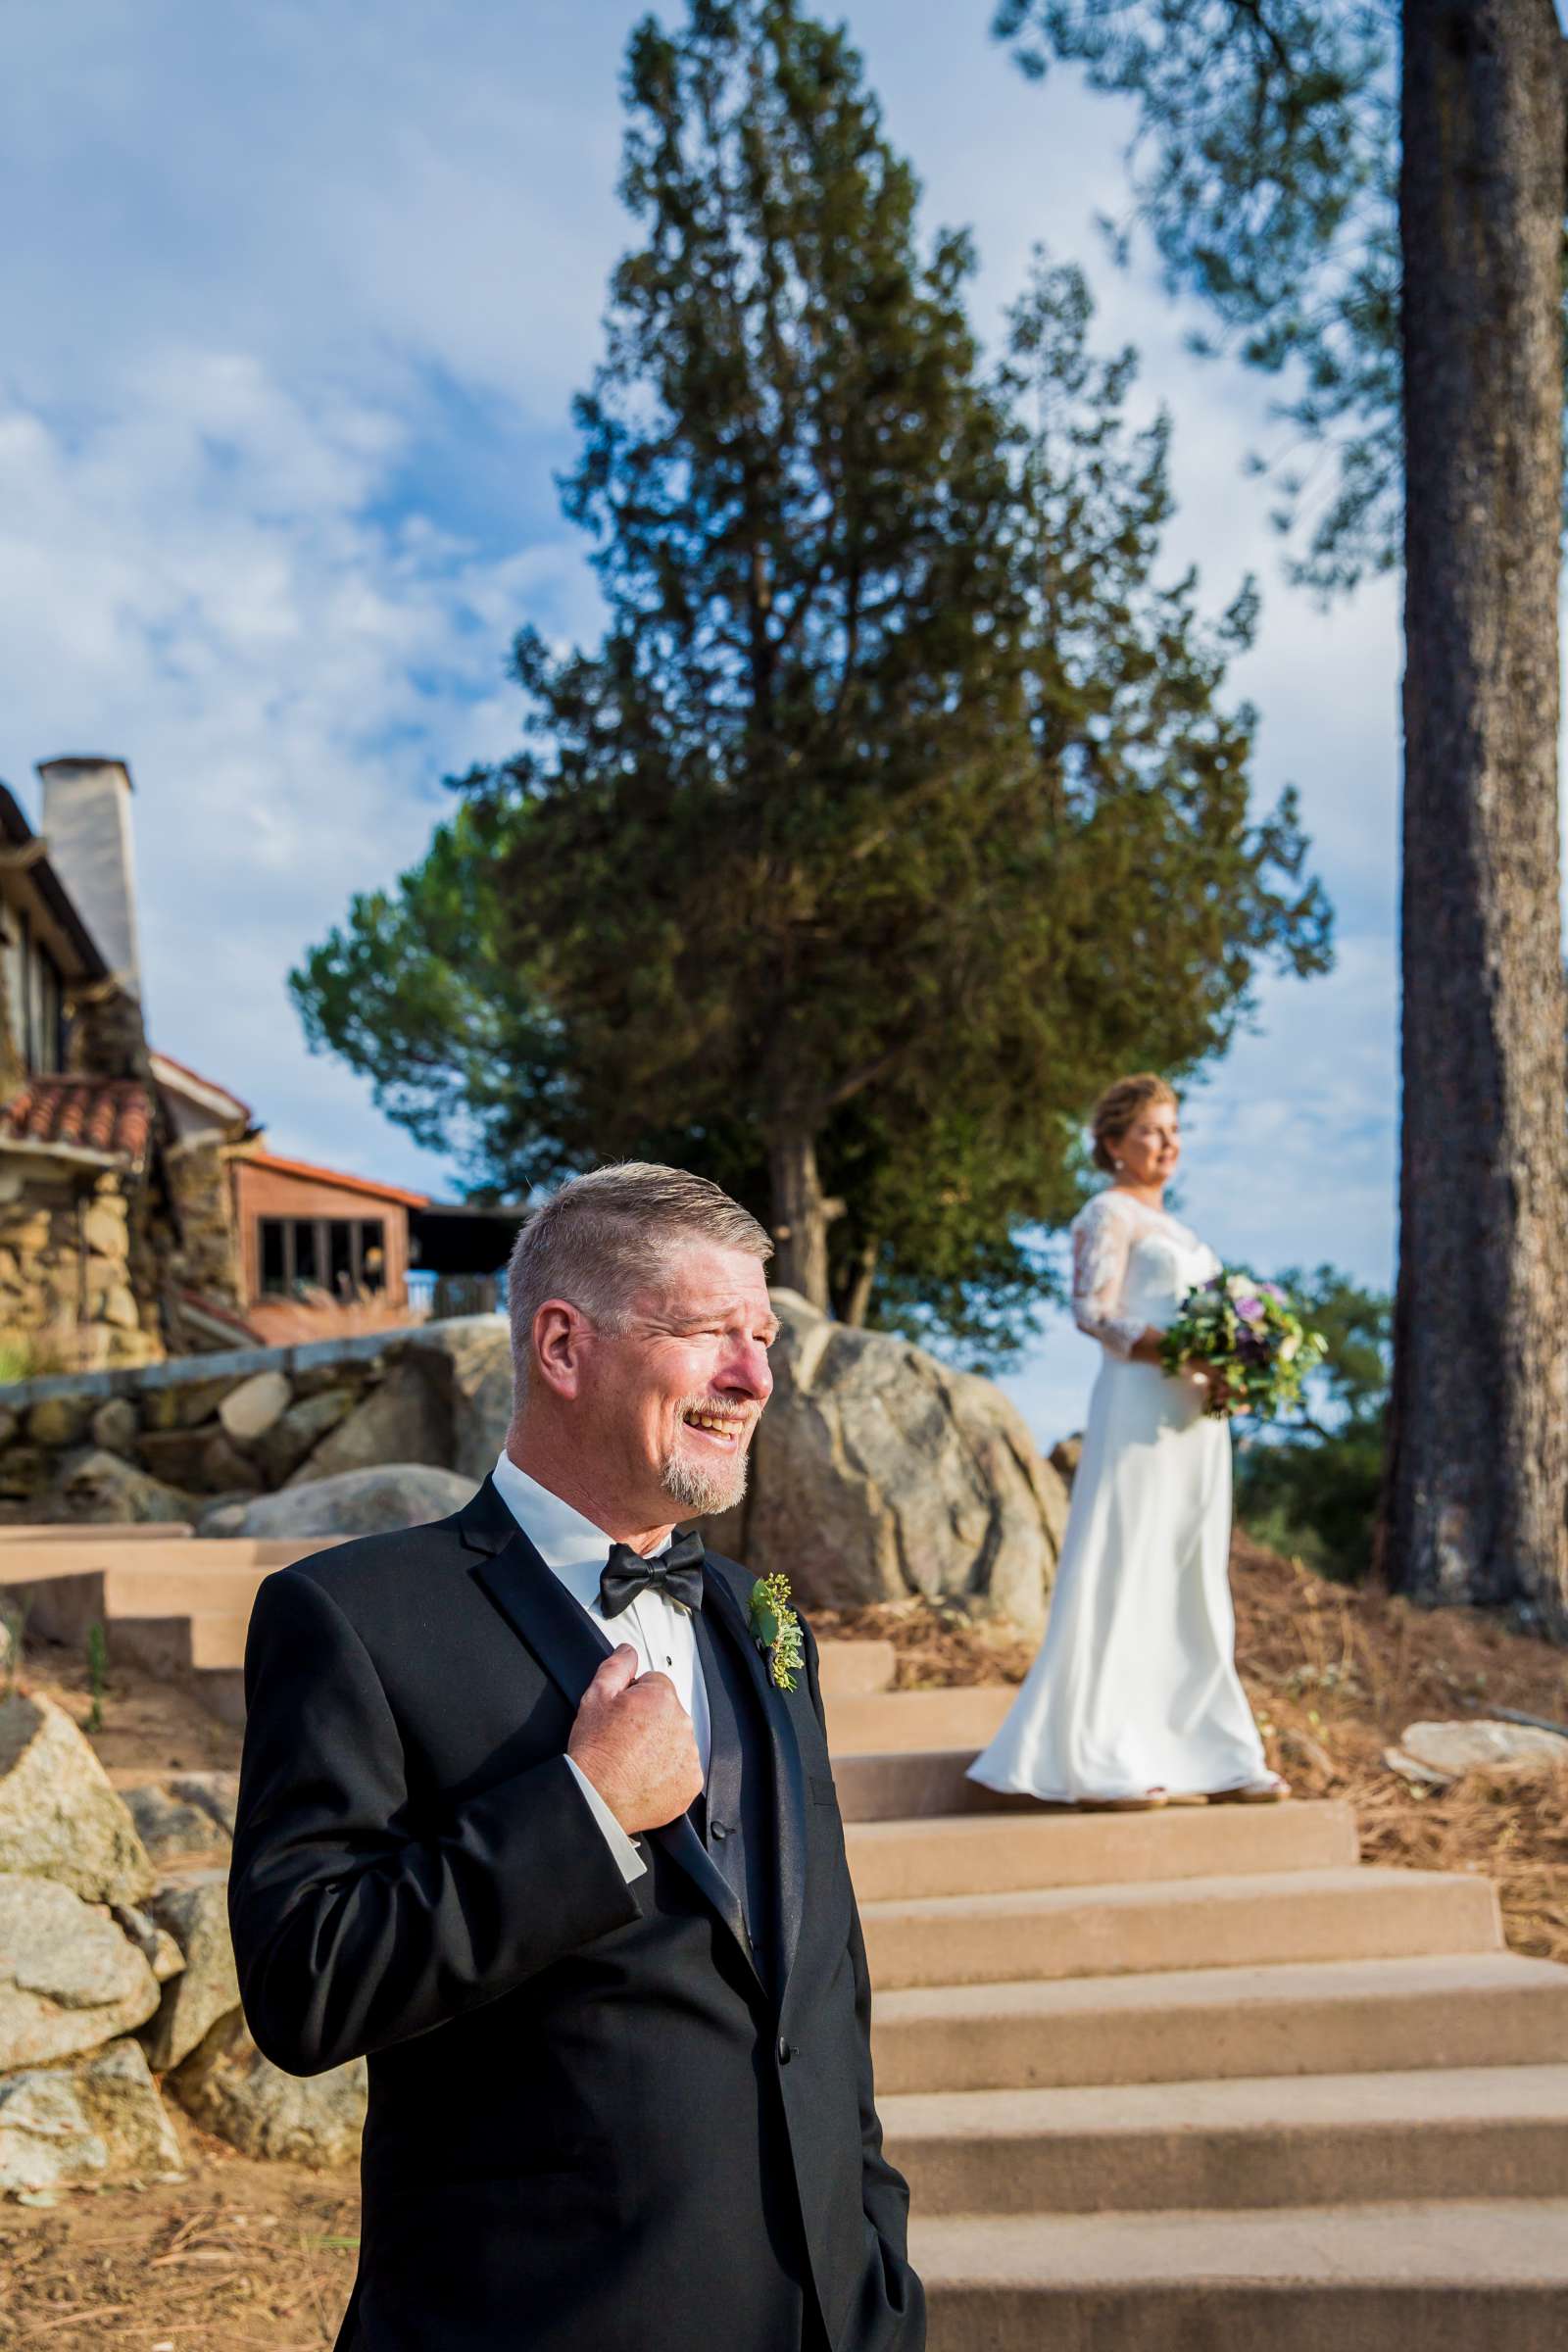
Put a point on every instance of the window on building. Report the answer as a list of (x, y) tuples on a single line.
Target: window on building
[(34, 995), (273, 1258), (343, 1255), (13, 951), (48, 1014)]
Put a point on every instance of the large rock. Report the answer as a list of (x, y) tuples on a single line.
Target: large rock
[(280, 1451), (362, 1502), (194, 1910), (249, 1411), (69, 1979), (231, 2089), (58, 1420), (216, 1793), (114, 1426), (226, 1470), (170, 1825), (175, 1457), (99, 1487), (1447, 1750), (59, 1817), (1065, 1457), (403, 1420), (155, 1945), (94, 2121), (879, 1473), (468, 1362)]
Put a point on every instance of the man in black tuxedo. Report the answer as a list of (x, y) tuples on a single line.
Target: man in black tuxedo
[(525, 1817)]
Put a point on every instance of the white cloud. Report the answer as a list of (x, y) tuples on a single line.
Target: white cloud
[(291, 339)]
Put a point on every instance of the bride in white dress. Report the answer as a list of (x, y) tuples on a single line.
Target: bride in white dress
[(1134, 1699)]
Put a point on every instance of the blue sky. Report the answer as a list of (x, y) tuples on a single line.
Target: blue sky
[(299, 299)]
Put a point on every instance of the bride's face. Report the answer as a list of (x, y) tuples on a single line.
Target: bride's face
[(1152, 1145)]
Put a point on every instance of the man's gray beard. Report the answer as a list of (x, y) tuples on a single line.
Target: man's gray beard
[(700, 1490)]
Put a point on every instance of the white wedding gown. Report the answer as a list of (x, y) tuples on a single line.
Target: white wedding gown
[(1135, 1687)]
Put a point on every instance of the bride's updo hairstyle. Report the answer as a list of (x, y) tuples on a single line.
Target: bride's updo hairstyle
[(1118, 1108)]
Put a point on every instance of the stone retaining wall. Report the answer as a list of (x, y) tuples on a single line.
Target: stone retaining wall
[(171, 1440)]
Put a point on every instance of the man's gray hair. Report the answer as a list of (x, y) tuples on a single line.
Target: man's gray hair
[(604, 1236)]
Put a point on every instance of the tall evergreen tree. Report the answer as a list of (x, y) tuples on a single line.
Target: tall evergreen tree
[(1378, 193), (898, 804)]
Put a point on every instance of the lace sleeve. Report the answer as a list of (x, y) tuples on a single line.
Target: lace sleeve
[(1102, 1239)]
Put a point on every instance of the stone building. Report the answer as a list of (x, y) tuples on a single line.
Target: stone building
[(79, 1185), (140, 1211)]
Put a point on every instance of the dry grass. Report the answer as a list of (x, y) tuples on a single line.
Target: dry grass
[(238, 2257)]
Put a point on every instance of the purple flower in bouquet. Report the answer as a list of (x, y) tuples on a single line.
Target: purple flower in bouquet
[(1235, 1321)]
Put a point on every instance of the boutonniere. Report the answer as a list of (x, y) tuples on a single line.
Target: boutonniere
[(776, 1630)]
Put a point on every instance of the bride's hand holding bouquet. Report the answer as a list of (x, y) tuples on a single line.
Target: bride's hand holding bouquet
[(1247, 1342)]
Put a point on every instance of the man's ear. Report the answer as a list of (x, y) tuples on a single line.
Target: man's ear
[(560, 1337)]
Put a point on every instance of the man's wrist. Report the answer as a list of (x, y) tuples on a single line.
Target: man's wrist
[(632, 1865)]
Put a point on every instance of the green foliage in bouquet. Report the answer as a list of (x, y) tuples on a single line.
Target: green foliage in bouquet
[(1252, 1331), (1310, 1486)]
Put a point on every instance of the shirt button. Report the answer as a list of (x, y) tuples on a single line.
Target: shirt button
[(785, 2053), (720, 1829)]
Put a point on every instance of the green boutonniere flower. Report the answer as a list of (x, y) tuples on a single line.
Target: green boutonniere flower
[(776, 1630)]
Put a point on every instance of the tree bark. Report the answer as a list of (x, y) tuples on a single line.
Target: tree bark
[(1478, 1469), (859, 1296), (801, 1215)]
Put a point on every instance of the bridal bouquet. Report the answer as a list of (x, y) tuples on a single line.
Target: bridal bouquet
[(1252, 1331)]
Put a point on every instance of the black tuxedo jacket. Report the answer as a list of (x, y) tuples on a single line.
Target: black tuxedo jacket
[(598, 2121)]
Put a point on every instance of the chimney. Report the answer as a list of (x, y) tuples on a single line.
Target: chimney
[(86, 821)]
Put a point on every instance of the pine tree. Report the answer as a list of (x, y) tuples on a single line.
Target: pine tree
[(898, 806)]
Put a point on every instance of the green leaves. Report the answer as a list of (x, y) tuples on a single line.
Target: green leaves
[(1265, 168), (776, 1630), (900, 803)]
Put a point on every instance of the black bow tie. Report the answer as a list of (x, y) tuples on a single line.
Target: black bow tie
[(676, 1573)]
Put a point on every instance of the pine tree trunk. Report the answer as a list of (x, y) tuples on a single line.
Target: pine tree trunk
[(1478, 1473), (800, 1215)]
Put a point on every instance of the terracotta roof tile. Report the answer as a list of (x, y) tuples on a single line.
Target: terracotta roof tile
[(113, 1115)]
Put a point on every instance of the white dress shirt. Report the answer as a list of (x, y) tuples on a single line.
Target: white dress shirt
[(658, 1627)]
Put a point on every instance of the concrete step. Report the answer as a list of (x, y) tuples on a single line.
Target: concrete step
[(199, 1643), (986, 1854), (157, 1531), (1324, 2139), (855, 1669), (1257, 1921), (894, 1722), (92, 1549), (61, 1606), (920, 1784), (1334, 2016), (1484, 2275)]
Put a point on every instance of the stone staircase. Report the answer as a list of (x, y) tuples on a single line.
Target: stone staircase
[(1197, 2081), (1182, 2081)]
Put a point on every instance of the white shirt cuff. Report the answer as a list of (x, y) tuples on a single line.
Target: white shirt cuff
[(632, 1865)]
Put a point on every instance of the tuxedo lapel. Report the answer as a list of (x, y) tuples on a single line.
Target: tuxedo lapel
[(789, 1780), (571, 1648)]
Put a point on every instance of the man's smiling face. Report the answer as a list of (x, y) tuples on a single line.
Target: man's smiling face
[(676, 1394)]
